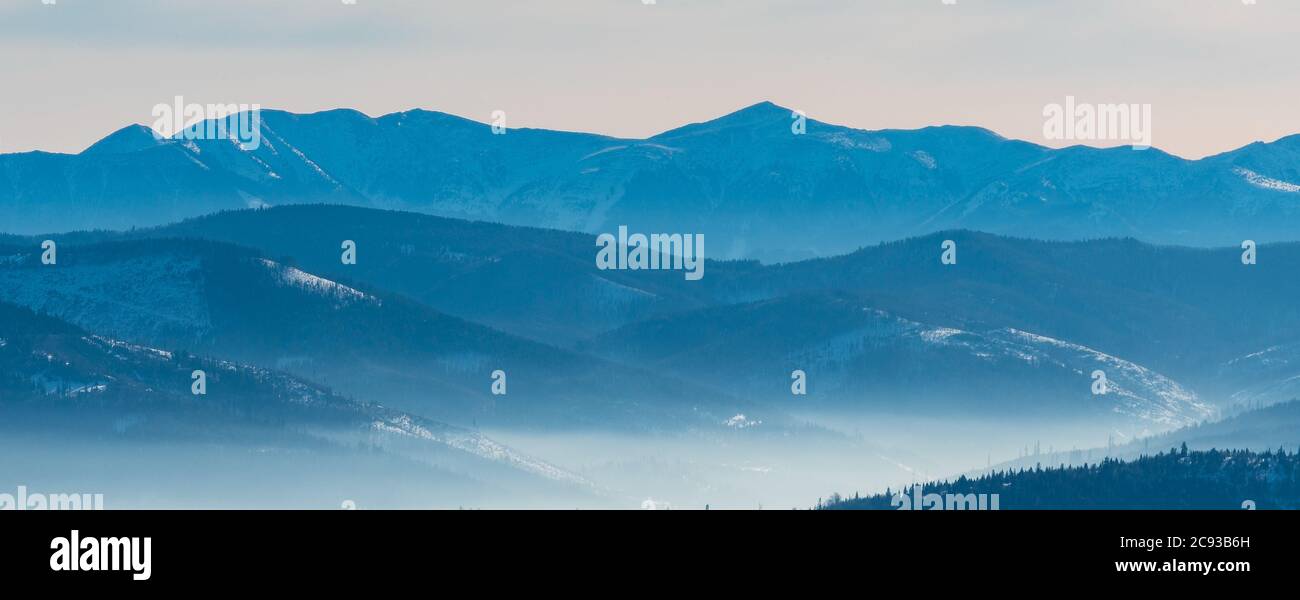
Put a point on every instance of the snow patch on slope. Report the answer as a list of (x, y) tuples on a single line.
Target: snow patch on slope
[(1141, 392), (925, 159), (856, 140), (318, 285), (1268, 183), (1134, 390)]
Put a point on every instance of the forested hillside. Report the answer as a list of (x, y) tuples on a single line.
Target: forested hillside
[(1178, 479)]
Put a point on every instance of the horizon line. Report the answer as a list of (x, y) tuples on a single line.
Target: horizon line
[(742, 109)]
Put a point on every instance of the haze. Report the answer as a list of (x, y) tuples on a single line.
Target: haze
[(1218, 73)]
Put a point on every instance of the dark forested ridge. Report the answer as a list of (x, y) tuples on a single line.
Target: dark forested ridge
[(1178, 479)]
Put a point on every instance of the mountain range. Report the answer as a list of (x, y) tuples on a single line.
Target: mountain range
[(433, 305), (475, 255), (227, 301), (746, 180)]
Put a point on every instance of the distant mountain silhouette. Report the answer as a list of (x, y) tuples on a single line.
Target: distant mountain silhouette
[(746, 180)]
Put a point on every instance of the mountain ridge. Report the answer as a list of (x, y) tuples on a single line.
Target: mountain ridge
[(750, 182), (91, 389), (761, 105)]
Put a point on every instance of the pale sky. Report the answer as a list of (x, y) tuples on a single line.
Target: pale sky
[(1218, 73)]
